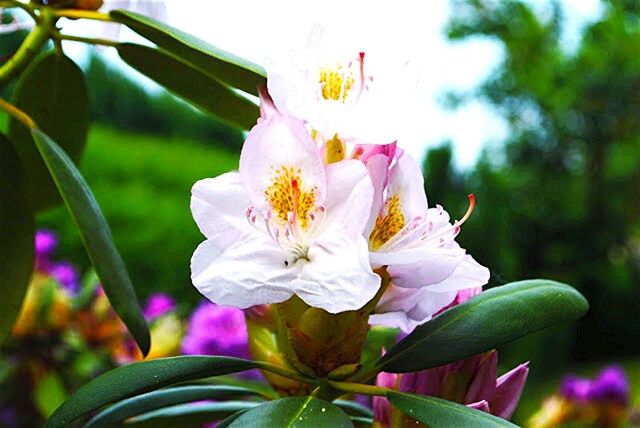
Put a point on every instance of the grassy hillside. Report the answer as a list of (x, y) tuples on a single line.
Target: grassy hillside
[(143, 186)]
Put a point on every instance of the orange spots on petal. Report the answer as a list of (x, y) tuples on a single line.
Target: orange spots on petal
[(287, 194), (387, 225)]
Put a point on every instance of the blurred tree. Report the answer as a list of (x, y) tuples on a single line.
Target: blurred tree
[(561, 198)]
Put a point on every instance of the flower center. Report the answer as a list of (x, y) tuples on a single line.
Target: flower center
[(387, 225), (292, 203), (336, 82)]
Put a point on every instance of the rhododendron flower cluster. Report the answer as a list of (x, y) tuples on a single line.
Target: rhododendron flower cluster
[(326, 206)]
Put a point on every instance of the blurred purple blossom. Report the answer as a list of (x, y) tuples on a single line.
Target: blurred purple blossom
[(216, 330), (66, 275), (609, 386), (45, 242), (158, 304)]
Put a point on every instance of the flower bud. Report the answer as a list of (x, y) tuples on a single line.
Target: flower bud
[(263, 346)]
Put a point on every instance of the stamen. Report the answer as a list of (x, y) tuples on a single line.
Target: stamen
[(361, 55), (472, 205)]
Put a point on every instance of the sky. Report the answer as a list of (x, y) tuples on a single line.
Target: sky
[(258, 29)]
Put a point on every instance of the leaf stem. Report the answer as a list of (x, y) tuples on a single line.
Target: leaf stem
[(285, 372), (27, 50), (82, 14), (27, 7), (359, 388), (90, 40), (18, 114)]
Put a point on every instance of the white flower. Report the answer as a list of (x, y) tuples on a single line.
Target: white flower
[(284, 224), (338, 89), (416, 243)]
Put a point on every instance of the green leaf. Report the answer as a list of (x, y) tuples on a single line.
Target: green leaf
[(495, 317), (294, 412), (436, 412), (354, 408), (49, 393), (53, 91), (193, 415), (141, 377), (165, 397), (191, 84), (16, 237), (224, 66), (96, 237), (227, 421)]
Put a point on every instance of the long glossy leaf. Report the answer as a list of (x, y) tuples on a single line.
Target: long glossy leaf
[(490, 319), (141, 377), (53, 92), (436, 413), (294, 412), (162, 398), (191, 84), (354, 408), (194, 415), (96, 237), (229, 419), (228, 68), (16, 237)]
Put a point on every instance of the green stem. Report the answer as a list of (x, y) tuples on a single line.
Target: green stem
[(18, 114), (82, 14), (27, 51), (359, 388), (285, 372), (27, 7), (90, 40)]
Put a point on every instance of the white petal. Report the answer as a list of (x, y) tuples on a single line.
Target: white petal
[(276, 142), (406, 308), (219, 203), (241, 269), (468, 274), (417, 255), (406, 180), (338, 276), (349, 197), (435, 266), (377, 168)]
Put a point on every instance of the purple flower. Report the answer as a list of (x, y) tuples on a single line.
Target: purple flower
[(216, 330), (66, 275), (45, 242), (158, 304), (472, 382), (575, 388), (609, 386)]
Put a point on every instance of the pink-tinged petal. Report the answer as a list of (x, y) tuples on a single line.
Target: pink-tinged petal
[(338, 277), (466, 294), (468, 275), (387, 380), (241, 270), (406, 308), (381, 407), (377, 167), (406, 180), (434, 267), (349, 197), (276, 143), (364, 152), (508, 391), (483, 385), (267, 107), (480, 405), (429, 382), (220, 203)]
